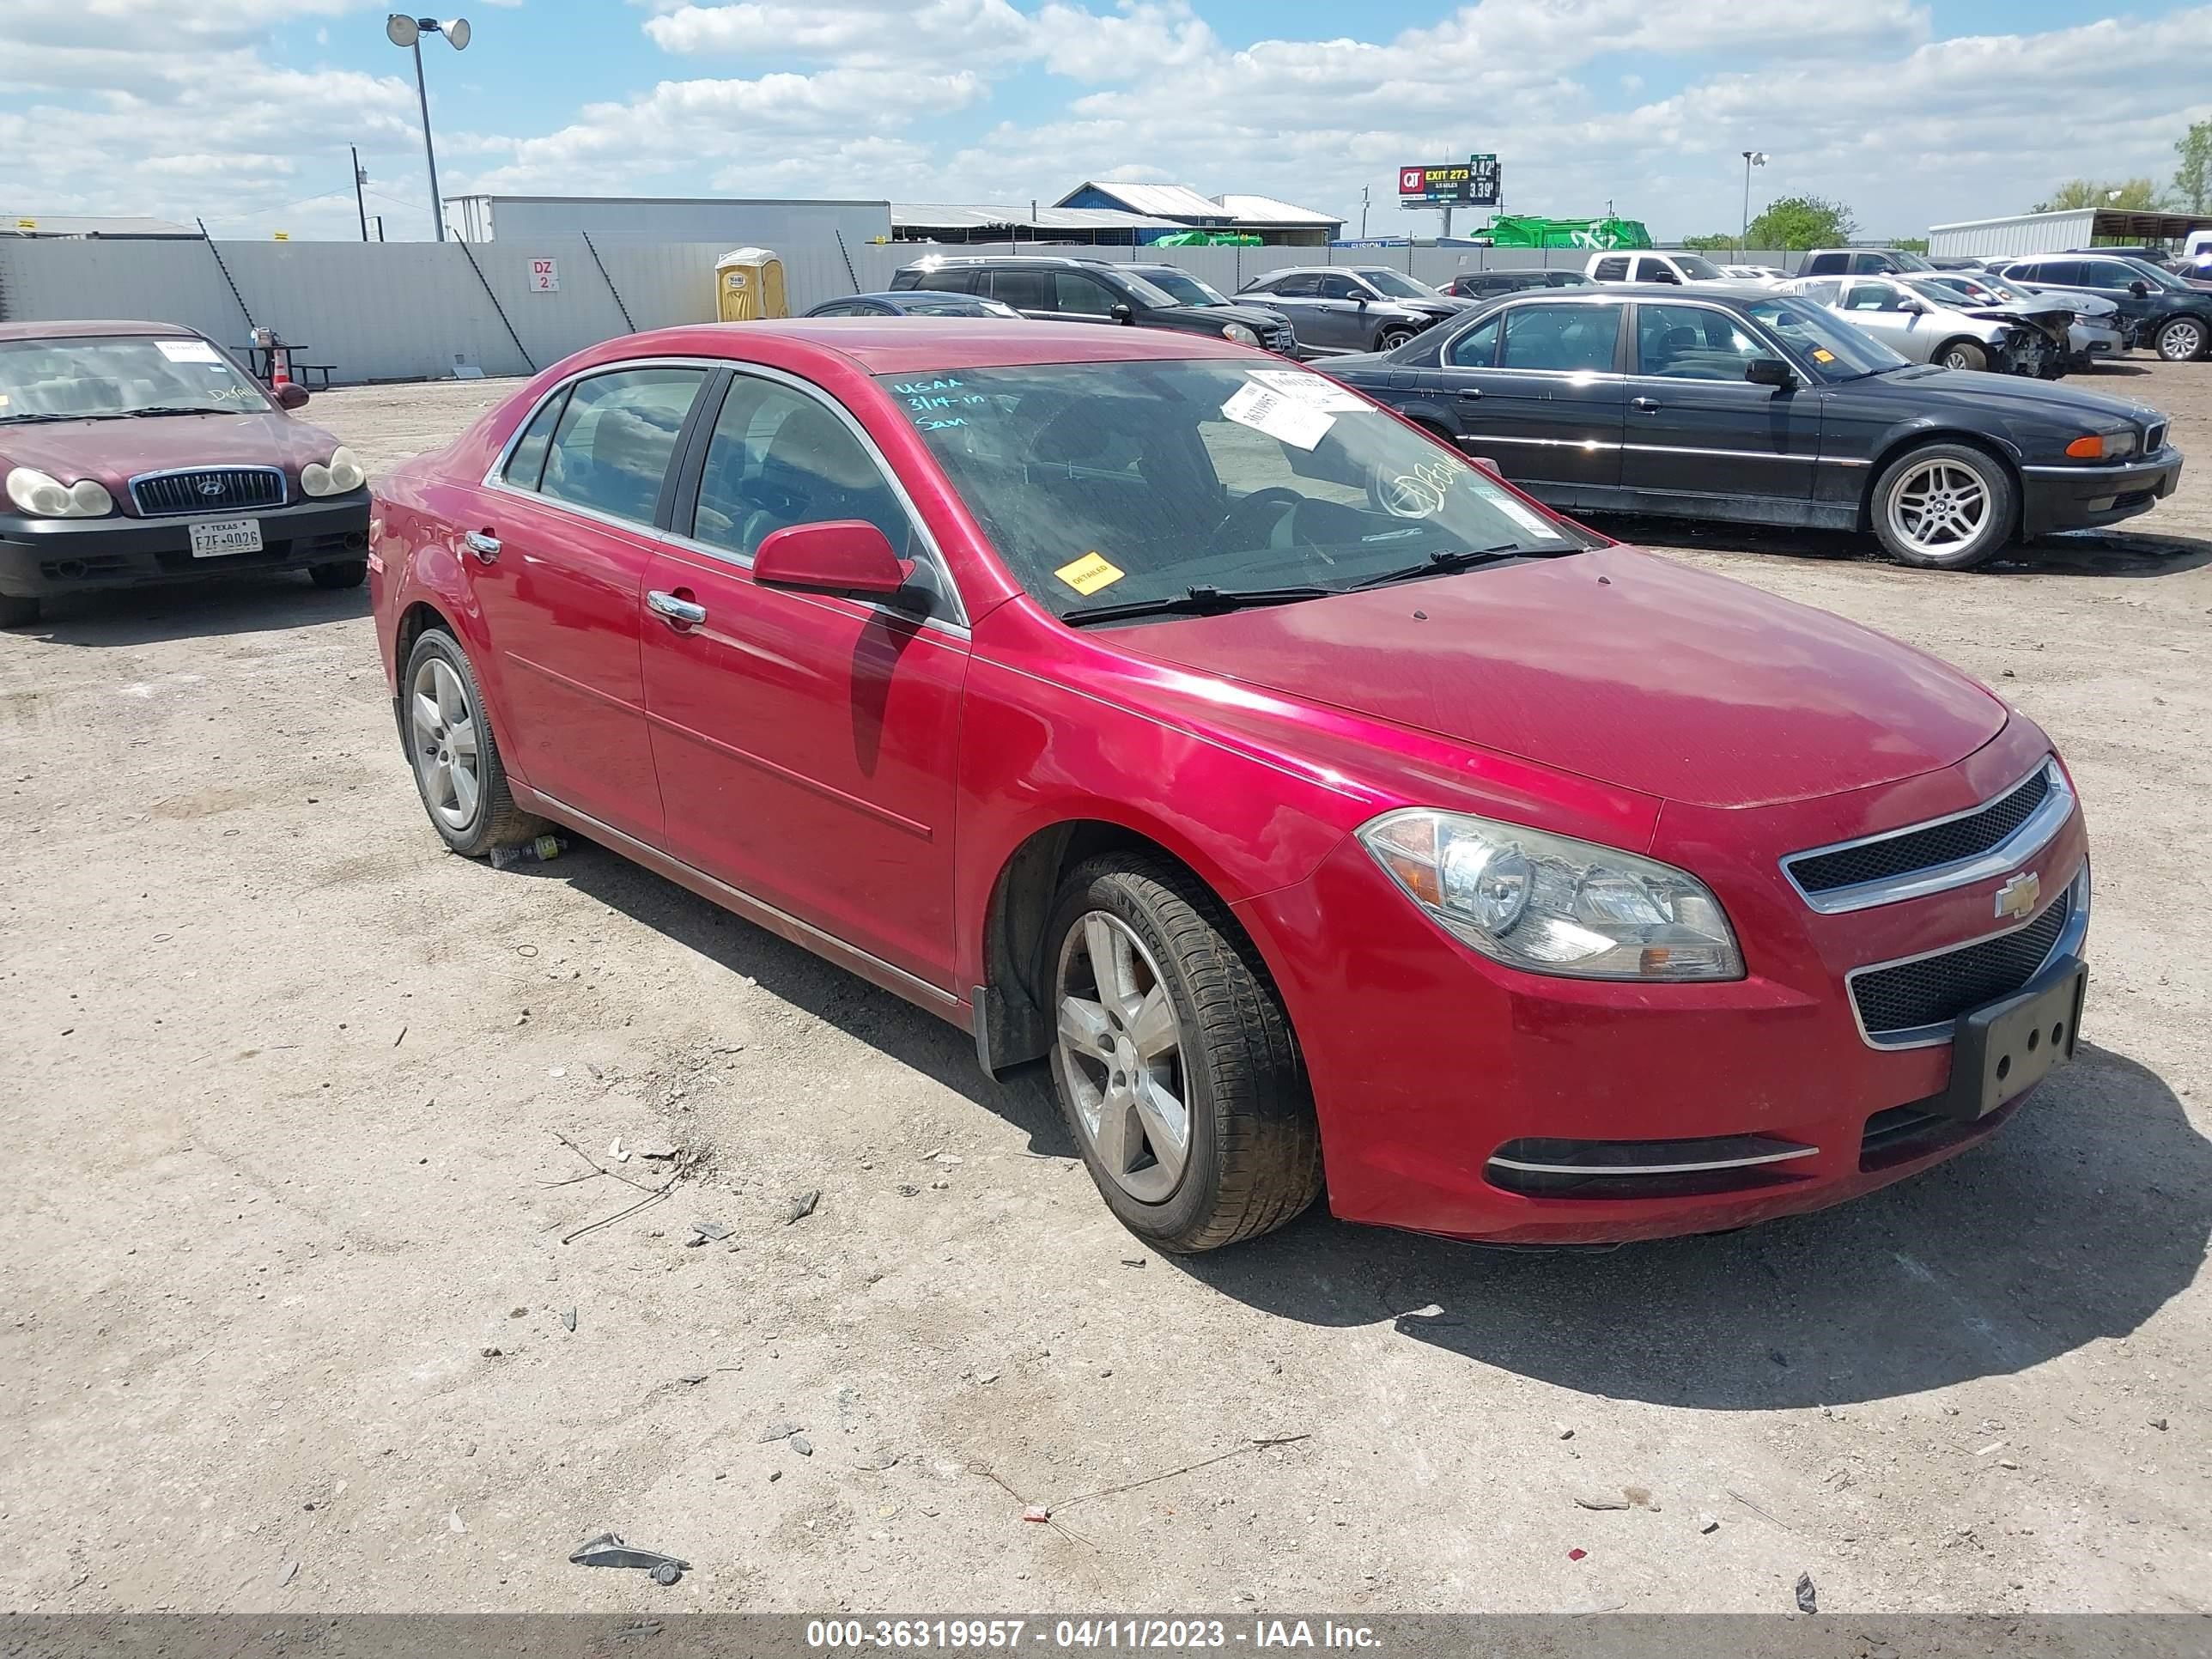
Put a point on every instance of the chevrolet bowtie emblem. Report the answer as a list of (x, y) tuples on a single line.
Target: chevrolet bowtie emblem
[(2016, 898)]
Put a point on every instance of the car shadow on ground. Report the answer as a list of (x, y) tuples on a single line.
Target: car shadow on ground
[(237, 604), (806, 982), (2070, 553), (2078, 1220)]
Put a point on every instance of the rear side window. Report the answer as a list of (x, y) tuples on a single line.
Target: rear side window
[(2059, 273), (1572, 338), (1302, 286), (527, 463), (1024, 290), (1611, 270), (612, 447)]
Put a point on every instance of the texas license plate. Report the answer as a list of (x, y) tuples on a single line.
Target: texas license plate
[(2006, 1047), (216, 538)]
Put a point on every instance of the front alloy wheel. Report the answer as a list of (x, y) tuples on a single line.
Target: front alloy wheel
[(1121, 1057), (1944, 506)]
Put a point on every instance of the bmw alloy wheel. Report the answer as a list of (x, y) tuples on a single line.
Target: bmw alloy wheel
[(1119, 1052), (1938, 507)]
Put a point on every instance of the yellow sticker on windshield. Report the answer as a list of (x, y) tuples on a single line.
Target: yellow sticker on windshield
[(1822, 355), (1088, 574)]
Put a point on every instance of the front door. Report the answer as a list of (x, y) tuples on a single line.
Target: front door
[(1891, 315), (1340, 313), (1696, 426), (560, 561), (1535, 388), (806, 742)]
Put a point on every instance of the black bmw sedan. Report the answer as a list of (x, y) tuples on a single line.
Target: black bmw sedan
[(1762, 408)]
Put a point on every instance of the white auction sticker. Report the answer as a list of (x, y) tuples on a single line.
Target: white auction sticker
[(1514, 509), (1287, 420), (1315, 389), (186, 351)]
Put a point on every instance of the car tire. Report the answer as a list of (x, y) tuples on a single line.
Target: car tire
[(470, 805), (2181, 339), (1963, 354), (1181, 1032), (1391, 339), (1944, 506), (17, 613), (344, 573)]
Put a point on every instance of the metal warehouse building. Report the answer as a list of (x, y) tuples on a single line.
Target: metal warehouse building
[(2055, 233), (731, 220)]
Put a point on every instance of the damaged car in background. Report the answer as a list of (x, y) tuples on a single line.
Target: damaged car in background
[(1926, 331), (2097, 329)]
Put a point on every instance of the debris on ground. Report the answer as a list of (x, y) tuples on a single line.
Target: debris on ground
[(775, 1432), (703, 1230), (802, 1205), (569, 1317), (1576, 1555), (1809, 1599), (693, 1377), (1640, 1497), (656, 1149), (608, 1550), (1565, 1430), (802, 1445), (2159, 1423), (1599, 1501), (617, 1151), (490, 1352), (291, 1572), (1708, 1523), (907, 1189), (1133, 1261), (1038, 1513), (453, 1522)]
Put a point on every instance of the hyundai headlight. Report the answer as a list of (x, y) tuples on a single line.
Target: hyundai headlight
[(44, 496), (335, 477), (1240, 333), (1550, 904)]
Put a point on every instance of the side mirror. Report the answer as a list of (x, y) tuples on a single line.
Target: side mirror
[(1120, 312), (2140, 288), (841, 556), (1770, 371), (1360, 300), (292, 394)]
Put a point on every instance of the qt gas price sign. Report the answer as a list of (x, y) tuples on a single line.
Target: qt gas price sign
[(1475, 182)]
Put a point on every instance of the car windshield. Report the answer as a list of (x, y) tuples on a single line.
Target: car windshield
[(1148, 293), (1833, 350), (1397, 285), (1907, 260), (1697, 269), (105, 377), (1186, 290), (1935, 293), (1107, 484)]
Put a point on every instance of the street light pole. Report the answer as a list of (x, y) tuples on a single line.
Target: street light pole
[(404, 31), (360, 205), (1752, 158)]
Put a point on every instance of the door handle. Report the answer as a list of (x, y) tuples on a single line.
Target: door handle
[(1646, 405), (679, 613), (1470, 394), (486, 548)]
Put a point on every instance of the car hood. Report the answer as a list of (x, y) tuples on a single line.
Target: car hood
[(1445, 307), (115, 452), (1252, 316), (1617, 665), (1916, 391)]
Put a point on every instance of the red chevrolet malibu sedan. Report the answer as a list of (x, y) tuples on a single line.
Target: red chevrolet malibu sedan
[(1325, 813)]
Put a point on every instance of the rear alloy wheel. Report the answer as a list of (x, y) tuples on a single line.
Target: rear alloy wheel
[(2181, 340), (1174, 1061), (455, 757), (344, 573), (1944, 506), (1963, 354)]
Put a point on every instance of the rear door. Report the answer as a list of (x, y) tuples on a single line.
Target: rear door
[(1297, 296), (1696, 426), (570, 522), (1536, 387)]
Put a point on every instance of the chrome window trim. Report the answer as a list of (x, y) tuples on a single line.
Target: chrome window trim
[(956, 624), (1540, 443), (1601, 1170), (284, 486), (2034, 834), (2067, 943)]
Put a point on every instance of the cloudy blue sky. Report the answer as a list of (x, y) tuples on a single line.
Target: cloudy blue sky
[(1913, 111)]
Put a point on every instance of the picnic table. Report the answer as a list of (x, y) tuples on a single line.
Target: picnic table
[(262, 359)]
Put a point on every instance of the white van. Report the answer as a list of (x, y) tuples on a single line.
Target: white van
[(1650, 265)]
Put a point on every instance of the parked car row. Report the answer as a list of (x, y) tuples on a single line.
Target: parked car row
[(1318, 809)]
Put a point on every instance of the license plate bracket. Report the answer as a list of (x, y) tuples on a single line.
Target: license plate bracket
[(2005, 1047), (217, 538)]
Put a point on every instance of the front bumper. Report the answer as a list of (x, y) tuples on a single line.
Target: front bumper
[(2082, 497), (44, 556), (2091, 340), (1450, 1090)]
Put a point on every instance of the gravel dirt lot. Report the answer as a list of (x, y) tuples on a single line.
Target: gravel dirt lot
[(291, 1324)]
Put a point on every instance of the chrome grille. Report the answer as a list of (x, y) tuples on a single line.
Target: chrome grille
[(1282, 341), (207, 489), (1936, 989), (1924, 848)]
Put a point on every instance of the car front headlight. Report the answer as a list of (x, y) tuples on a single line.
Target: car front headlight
[(44, 496), (1240, 333), (1550, 904), (335, 477)]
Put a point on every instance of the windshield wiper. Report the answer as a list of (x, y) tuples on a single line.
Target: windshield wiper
[(1442, 563), (178, 408), (31, 417), (1200, 601)]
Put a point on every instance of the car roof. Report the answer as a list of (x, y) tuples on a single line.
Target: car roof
[(913, 345), (77, 331), (1598, 293), (937, 261)]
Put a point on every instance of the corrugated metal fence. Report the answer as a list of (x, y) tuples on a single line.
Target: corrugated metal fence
[(400, 311)]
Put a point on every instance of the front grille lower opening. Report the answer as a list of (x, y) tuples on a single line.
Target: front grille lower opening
[(1939, 988)]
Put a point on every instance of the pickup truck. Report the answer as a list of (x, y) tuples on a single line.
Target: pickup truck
[(1648, 265)]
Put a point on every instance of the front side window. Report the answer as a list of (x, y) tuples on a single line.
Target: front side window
[(1694, 343), (1101, 484), (777, 458), (111, 377), (1569, 338), (1874, 296), (1335, 287), (1477, 347), (615, 439), (1081, 295), (1657, 270)]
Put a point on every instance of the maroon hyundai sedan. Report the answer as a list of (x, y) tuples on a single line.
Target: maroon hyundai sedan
[(136, 453)]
